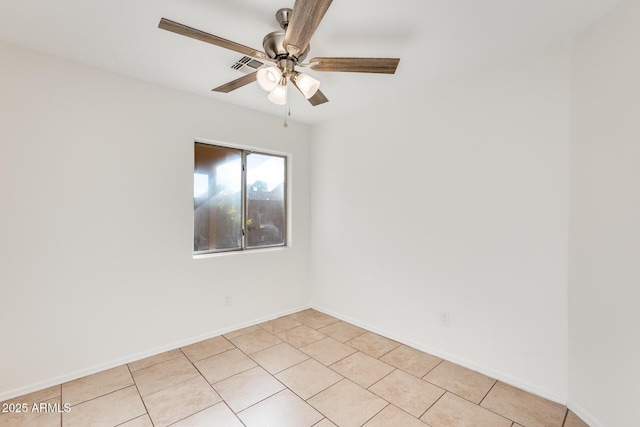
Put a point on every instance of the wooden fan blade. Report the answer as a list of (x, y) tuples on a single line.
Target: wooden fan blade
[(237, 83), (183, 30), (318, 98), (305, 18), (356, 65)]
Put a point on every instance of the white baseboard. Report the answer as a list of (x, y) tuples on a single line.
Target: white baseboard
[(584, 415), (498, 375), (10, 394)]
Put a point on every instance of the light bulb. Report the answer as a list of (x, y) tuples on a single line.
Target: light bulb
[(278, 95), (306, 84), (268, 78)]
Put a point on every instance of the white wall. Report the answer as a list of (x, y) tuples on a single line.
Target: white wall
[(96, 233), (454, 199), (604, 274)]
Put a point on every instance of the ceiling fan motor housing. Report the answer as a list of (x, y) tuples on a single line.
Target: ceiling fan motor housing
[(273, 44)]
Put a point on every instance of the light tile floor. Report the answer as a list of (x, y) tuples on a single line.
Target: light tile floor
[(302, 370)]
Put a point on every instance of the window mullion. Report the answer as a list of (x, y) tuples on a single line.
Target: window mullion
[(243, 193)]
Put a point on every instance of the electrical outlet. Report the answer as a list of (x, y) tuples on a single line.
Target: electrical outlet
[(445, 319), (227, 301)]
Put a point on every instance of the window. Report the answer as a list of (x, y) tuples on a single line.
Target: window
[(239, 199)]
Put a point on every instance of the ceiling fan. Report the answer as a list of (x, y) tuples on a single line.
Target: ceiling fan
[(286, 49)]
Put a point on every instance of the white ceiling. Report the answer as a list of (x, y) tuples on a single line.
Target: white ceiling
[(433, 38)]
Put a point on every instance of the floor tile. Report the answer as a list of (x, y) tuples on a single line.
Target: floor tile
[(255, 341), (276, 367), (224, 365), (373, 344), (362, 369), (301, 336), (218, 415), (308, 378), (574, 421), (454, 411), (206, 348), (157, 377), (279, 357), (247, 388), (36, 397), (392, 416), (347, 404), (154, 360), (280, 324), (410, 360), (243, 331), (342, 331), (407, 392), (303, 313), (328, 350), (524, 408), (102, 410), (180, 401), (325, 423), (314, 319), (464, 382), (96, 385), (31, 418), (143, 421), (284, 409)]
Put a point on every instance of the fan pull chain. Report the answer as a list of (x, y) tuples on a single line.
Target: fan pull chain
[(285, 117), (286, 104), (289, 100)]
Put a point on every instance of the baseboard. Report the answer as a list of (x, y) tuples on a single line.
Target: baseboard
[(10, 394), (498, 375), (584, 415)]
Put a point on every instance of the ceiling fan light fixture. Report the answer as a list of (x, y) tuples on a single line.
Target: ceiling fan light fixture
[(279, 94), (305, 83), (268, 78), (285, 50)]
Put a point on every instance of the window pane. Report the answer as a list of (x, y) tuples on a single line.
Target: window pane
[(265, 200), (217, 198)]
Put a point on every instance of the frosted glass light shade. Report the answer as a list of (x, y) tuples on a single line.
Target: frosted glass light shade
[(268, 78), (278, 95), (307, 84)]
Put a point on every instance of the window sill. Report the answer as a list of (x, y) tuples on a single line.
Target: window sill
[(240, 252)]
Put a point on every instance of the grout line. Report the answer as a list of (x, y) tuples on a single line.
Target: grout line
[(139, 395), (234, 414), (103, 395), (487, 394), (433, 404), (491, 410), (432, 369), (256, 403), (382, 355), (60, 403), (376, 414), (566, 415), (155, 364), (377, 381), (339, 360), (222, 400), (134, 418)]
